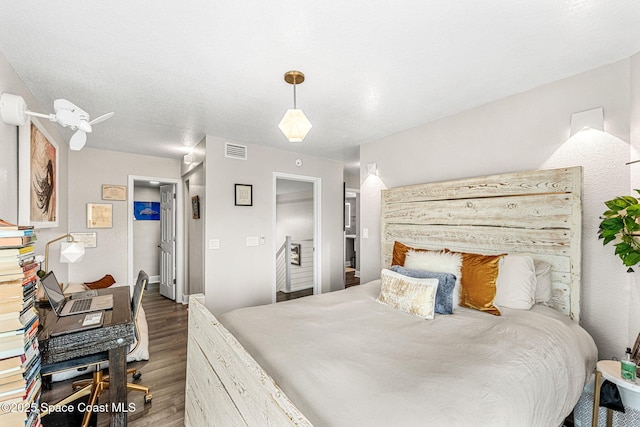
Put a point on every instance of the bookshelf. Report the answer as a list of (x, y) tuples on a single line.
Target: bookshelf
[(20, 380)]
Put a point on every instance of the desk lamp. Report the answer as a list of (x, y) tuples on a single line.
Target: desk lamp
[(70, 252)]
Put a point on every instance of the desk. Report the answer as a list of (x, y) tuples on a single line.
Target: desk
[(116, 334), (609, 370)]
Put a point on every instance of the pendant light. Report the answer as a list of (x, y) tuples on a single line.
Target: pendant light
[(294, 125)]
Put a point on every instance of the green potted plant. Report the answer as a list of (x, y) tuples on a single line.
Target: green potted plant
[(620, 224)]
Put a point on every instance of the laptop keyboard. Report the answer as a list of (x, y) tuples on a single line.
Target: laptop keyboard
[(80, 305)]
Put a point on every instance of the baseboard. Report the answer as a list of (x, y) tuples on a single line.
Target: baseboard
[(154, 279)]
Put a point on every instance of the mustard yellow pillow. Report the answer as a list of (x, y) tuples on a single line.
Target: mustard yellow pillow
[(478, 282)]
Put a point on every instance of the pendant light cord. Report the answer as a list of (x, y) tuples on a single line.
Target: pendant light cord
[(294, 94)]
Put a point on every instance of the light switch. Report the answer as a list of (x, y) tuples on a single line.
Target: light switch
[(214, 243), (365, 233), (262, 240), (252, 241)]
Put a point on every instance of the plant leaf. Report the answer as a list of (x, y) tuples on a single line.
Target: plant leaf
[(615, 223), (623, 248), (631, 259)]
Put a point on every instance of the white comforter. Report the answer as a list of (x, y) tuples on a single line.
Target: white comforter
[(345, 360)]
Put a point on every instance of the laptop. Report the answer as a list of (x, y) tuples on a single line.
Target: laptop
[(77, 322), (63, 306)]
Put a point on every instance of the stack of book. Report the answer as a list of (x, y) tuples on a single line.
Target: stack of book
[(20, 381)]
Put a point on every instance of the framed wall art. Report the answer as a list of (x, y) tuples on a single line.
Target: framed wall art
[(99, 215), (195, 207), (38, 196), (114, 192), (295, 254), (89, 240), (244, 195), (146, 211)]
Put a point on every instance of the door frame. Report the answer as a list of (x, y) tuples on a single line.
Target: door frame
[(131, 180), (317, 229)]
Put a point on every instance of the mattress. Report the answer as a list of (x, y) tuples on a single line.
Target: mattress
[(346, 360)]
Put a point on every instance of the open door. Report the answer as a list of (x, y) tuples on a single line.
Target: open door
[(167, 241)]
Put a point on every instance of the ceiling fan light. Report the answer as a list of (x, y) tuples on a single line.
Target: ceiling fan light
[(77, 141), (295, 125), (13, 109)]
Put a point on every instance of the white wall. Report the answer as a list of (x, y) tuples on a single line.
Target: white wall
[(238, 275), (525, 132), (146, 235), (88, 170), (10, 82), (634, 169), (294, 216), (195, 230)]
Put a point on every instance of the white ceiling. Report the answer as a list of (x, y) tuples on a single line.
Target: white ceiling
[(174, 71)]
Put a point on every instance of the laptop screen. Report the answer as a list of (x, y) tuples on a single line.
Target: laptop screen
[(52, 289)]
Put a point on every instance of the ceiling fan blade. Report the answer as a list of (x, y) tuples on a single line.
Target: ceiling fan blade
[(77, 141), (102, 118)]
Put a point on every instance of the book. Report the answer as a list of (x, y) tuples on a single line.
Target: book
[(13, 377), (14, 242), (15, 233), (6, 225), (11, 365), (12, 269), (10, 277), (12, 387)]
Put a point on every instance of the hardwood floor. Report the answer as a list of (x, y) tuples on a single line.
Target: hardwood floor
[(286, 296), (164, 372)]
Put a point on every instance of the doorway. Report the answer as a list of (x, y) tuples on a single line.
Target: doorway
[(296, 236), (351, 237), (155, 232)]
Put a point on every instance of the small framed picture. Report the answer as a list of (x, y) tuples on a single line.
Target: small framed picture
[(295, 254), (114, 192), (244, 195), (99, 215), (195, 207), (89, 240)]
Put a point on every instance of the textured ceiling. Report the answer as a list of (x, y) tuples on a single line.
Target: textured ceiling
[(174, 71)]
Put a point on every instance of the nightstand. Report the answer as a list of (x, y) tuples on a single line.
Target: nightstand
[(609, 370)]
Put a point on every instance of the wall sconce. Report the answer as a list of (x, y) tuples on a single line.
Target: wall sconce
[(372, 169), (70, 252), (294, 125), (590, 119)]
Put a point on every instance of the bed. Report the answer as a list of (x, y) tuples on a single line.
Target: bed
[(345, 359)]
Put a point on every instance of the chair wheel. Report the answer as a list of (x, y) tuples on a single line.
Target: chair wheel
[(147, 398), (137, 376)]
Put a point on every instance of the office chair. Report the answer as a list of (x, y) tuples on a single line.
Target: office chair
[(100, 382)]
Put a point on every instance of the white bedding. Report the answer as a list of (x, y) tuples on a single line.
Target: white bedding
[(345, 360)]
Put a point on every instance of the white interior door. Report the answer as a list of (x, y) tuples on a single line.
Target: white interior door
[(167, 241)]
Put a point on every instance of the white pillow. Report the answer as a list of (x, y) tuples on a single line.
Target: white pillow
[(438, 262), (408, 294), (516, 283), (543, 281)]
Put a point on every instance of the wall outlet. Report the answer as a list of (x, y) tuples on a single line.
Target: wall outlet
[(214, 244), (365, 233), (252, 241)]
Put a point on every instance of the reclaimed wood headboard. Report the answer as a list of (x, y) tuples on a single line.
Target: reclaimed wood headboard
[(536, 213)]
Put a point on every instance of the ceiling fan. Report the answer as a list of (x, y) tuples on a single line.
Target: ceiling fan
[(14, 111)]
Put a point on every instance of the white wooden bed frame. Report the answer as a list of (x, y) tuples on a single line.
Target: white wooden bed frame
[(536, 213)]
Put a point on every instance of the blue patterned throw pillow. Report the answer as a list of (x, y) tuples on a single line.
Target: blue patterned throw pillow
[(446, 282)]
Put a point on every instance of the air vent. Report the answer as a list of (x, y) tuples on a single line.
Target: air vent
[(235, 151)]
